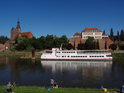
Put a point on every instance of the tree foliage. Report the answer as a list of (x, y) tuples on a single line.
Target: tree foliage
[(3, 39), (113, 47), (69, 46), (122, 35), (81, 46), (41, 43), (90, 43), (111, 34), (121, 46)]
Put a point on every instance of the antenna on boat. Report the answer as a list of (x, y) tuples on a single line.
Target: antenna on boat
[(61, 47)]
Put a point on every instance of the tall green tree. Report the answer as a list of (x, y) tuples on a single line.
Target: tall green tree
[(104, 32), (118, 36), (111, 34), (122, 35)]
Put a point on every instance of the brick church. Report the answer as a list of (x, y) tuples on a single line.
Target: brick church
[(80, 38), (16, 32)]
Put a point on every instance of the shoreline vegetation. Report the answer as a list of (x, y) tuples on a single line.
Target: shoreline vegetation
[(28, 54), (38, 89), (21, 54)]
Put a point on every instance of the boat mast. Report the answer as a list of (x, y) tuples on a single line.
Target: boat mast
[(61, 46)]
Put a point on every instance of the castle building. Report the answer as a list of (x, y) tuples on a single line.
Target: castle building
[(80, 38), (91, 32), (25, 34), (16, 32)]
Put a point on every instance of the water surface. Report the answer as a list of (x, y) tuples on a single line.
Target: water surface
[(89, 74)]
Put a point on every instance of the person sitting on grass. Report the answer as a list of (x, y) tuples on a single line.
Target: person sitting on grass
[(122, 89), (9, 87), (53, 83)]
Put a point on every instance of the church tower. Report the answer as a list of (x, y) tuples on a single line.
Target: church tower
[(18, 25), (15, 31)]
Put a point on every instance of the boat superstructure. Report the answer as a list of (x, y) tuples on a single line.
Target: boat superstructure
[(58, 54)]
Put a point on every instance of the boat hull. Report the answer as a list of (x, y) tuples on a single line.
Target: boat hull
[(54, 59)]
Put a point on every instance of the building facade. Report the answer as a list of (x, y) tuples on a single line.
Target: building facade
[(91, 32), (15, 33), (80, 38)]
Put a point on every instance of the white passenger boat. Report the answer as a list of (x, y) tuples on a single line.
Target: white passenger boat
[(75, 55)]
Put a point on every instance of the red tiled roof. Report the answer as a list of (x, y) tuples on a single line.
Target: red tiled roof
[(77, 34), (28, 34), (91, 29)]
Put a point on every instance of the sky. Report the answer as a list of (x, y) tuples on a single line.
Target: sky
[(61, 17)]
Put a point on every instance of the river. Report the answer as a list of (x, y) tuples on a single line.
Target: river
[(86, 74)]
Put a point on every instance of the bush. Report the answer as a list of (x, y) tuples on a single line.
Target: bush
[(113, 47)]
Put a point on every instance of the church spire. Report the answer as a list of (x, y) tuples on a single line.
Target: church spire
[(18, 24)]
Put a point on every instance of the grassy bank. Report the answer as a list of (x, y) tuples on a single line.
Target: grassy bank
[(28, 54), (34, 89), (23, 54), (118, 55)]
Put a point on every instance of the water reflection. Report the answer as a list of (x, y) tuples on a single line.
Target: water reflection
[(66, 73), (83, 66), (80, 73)]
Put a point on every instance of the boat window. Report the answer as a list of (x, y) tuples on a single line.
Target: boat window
[(108, 55)]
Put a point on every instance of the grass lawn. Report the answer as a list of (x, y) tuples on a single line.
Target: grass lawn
[(35, 89)]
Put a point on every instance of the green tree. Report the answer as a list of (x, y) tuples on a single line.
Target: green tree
[(113, 47), (81, 46), (118, 36), (35, 43), (69, 46), (41, 43), (121, 46), (3, 39), (63, 40), (49, 41), (90, 44), (122, 35), (111, 34), (41, 40), (23, 44)]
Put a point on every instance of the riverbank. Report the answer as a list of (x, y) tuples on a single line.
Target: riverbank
[(118, 55), (28, 54), (36, 89), (21, 54)]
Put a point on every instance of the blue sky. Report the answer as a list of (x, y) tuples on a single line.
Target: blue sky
[(61, 17)]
